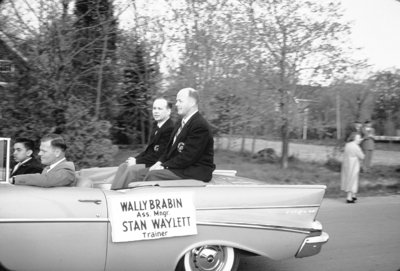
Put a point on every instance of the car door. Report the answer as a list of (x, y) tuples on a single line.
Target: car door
[(61, 228)]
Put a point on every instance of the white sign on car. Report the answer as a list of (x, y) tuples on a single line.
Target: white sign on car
[(143, 217)]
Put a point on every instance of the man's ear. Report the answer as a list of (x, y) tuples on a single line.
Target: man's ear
[(193, 101), (58, 152), (29, 153)]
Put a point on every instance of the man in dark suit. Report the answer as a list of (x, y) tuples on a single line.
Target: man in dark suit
[(58, 171), (159, 138), (190, 151), (23, 155), (368, 144)]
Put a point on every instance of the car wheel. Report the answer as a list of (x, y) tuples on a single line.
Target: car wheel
[(210, 258)]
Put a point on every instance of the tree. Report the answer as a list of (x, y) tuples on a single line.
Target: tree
[(356, 98), (49, 103), (30, 107), (386, 113), (225, 114), (141, 77), (217, 58), (88, 139), (300, 45), (265, 45), (94, 57), (26, 114)]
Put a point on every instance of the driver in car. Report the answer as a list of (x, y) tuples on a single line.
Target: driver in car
[(58, 171)]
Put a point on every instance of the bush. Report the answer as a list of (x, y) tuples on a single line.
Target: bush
[(333, 164), (267, 155), (88, 140)]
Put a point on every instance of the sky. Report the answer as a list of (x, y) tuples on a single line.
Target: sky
[(376, 28)]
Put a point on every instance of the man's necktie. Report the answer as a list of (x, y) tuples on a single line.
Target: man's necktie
[(154, 133), (179, 131)]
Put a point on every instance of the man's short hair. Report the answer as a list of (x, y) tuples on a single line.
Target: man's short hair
[(169, 104), (194, 94), (56, 141), (28, 144)]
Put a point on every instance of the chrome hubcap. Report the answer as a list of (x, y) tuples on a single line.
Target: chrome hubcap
[(208, 258)]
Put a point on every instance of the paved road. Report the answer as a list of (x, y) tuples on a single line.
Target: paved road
[(308, 152), (363, 237)]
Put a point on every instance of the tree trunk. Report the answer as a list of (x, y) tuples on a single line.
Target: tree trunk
[(243, 144), (150, 130), (100, 77), (143, 129), (285, 128), (338, 116), (230, 135), (285, 144), (253, 142)]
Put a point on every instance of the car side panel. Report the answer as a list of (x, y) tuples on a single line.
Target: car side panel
[(271, 221), (164, 254), (52, 228)]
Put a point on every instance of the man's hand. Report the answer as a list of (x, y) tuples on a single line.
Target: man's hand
[(156, 166), (131, 161)]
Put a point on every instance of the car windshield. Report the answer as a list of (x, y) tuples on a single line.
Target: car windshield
[(4, 159)]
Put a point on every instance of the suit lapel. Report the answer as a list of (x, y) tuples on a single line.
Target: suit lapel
[(155, 136), (182, 133), (57, 166), (21, 167), (171, 139)]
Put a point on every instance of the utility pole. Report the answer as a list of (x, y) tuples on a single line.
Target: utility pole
[(305, 123), (304, 106)]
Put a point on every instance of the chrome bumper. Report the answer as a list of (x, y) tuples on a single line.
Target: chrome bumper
[(312, 245)]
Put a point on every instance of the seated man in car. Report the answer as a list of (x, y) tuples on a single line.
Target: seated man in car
[(23, 155), (159, 138), (190, 151), (58, 171)]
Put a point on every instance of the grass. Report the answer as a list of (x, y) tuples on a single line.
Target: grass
[(384, 146), (380, 180), (379, 145)]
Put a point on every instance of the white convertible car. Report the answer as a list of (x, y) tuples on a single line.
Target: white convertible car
[(168, 225)]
